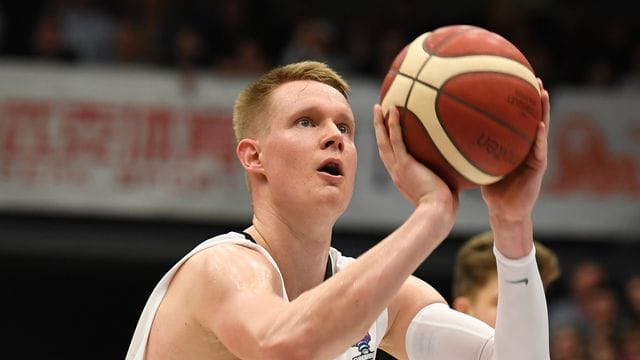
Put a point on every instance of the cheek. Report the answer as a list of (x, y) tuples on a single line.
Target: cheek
[(283, 151), (485, 312), (352, 156), (486, 306)]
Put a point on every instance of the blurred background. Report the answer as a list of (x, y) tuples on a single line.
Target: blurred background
[(117, 153)]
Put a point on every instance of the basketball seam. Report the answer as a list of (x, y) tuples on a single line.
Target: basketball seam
[(453, 36), (406, 100), (471, 106), (442, 155), (460, 149), (495, 119), (429, 135), (447, 40), (414, 80), (461, 101)]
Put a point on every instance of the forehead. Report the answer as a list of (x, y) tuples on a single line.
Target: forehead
[(295, 96)]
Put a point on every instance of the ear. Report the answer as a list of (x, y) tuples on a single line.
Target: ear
[(248, 152), (462, 304)]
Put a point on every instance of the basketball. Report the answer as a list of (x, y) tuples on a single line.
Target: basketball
[(469, 103)]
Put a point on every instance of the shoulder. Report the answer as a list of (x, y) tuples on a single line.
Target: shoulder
[(220, 255), (212, 288), (231, 264), (219, 267), (217, 280)]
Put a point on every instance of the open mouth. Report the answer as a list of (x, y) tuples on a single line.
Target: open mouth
[(331, 169)]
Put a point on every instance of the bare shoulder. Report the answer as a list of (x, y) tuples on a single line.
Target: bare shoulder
[(227, 267), (206, 295)]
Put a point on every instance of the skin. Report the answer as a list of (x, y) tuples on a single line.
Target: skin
[(225, 302), (482, 305)]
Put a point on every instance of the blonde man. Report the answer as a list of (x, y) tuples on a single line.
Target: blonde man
[(280, 291), (475, 280)]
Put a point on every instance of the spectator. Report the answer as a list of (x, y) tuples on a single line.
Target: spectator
[(567, 344), (568, 311), (391, 42), (247, 58), (631, 302), (600, 72), (602, 349), (46, 41), (632, 292), (630, 343), (189, 49), (313, 39), (358, 45), (601, 310), (128, 46), (189, 53), (88, 30)]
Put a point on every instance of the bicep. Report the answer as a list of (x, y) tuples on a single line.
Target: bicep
[(413, 296), (439, 332), (424, 326)]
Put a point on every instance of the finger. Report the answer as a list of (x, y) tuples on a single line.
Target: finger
[(382, 137), (546, 106), (541, 145), (542, 141), (546, 109), (395, 133)]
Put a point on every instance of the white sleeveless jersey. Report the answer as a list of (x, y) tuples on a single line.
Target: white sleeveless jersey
[(365, 349)]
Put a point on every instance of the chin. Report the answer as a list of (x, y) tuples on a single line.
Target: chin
[(338, 195), (333, 204)]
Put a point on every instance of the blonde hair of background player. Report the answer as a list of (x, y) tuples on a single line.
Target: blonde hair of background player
[(475, 283)]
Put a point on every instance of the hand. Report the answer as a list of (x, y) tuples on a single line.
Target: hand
[(513, 197), (414, 181)]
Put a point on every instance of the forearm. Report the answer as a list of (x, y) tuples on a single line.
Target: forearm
[(438, 332), (357, 295), (522, 326)]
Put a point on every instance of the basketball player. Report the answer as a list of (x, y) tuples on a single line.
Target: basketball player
[(279, 291), (475, 281)]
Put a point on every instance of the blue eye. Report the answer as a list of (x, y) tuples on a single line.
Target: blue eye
[(343, 128), (304, 122)]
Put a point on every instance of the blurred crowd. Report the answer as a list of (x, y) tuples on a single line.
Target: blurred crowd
[(574, 42), (598, 318)]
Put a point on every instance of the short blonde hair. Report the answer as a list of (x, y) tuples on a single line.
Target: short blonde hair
[(252, 101), (476, 263)]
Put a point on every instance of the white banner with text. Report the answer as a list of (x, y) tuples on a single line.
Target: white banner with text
[(137, 142)]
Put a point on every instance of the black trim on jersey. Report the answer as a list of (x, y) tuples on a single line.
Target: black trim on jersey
[(328, 272)]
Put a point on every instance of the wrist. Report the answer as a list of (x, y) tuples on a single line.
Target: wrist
[(509, 220), (435, 217), (512, 237)]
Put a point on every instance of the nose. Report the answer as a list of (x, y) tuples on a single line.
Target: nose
[(333, 138)]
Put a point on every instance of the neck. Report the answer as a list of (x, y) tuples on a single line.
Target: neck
[(300, 250)]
